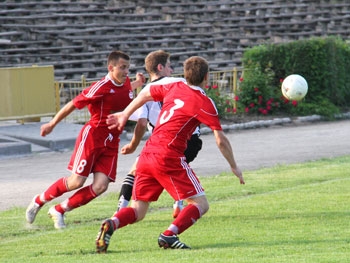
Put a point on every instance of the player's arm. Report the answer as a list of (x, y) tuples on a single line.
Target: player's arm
[(119, 119), (139, 131), (225, 148), (63, 112), (138, 83)]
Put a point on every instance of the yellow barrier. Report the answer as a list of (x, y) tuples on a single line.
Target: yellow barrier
[(27, 93)]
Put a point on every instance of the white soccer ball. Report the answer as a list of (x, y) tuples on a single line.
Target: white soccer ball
[(294, 87)]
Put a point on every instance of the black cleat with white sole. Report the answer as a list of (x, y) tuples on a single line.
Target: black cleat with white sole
[(172, 242)]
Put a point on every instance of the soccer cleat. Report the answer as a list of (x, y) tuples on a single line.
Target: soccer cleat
[(104, 236), (178, 206), (57, 218), (32, 210), (172, 242)]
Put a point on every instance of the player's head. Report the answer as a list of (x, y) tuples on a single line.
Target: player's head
[(158, 63), (196, 70), (118, 64), (114, 57)]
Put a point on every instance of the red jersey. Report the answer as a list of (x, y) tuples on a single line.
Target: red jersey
[(103, 98), (184, 108), (96, 147)]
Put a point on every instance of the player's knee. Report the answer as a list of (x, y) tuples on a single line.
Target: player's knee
[(140, 209), (74, 182), (99, 188), (204, 207), (140, 217), (201, 202)]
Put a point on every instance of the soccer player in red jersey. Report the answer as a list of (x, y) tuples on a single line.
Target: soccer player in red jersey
[(158, 66), (162, 162), (96, 148)]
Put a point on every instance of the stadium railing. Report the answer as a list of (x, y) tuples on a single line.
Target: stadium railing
[(226, 82)]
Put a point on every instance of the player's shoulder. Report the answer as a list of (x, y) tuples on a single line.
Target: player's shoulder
[(198, 89), (101, 81), (169, 80), (205, 102), (98, 86)]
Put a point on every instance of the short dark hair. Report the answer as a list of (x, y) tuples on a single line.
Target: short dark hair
[(114, 56), (155, 58), (195, 70)]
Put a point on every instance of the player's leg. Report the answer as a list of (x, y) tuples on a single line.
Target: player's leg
[(126, 188), (179, 186), (177, 207), (196, 208), (61, 186), (79, 198), (103, 162), (194, 145), (146, 188), (86, 194), (57, 189), (56, 213), (80, 167), (121, 218)]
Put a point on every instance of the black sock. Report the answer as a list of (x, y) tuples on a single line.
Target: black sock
[(126, 191)]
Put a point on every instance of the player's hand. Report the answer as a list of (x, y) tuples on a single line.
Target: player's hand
[(237, 171), (46, 129), (116, 120), (140, 77), (127, 149)]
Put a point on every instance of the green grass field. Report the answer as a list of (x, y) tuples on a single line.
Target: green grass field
[(295, 213)]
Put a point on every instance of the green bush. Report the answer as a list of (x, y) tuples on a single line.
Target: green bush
[(256, 95), (323, 62), (223, 102)]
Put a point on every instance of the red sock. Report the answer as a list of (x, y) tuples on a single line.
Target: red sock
[(59, 209), (187, 217), (55, 190), (125, 216), (79, 198)]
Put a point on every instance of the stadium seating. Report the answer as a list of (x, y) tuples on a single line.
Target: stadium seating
[(76, 36)]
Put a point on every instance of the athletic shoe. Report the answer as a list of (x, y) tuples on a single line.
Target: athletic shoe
[(57, 218), (104, 236), (32, 210), (171, 242), (178, 206)]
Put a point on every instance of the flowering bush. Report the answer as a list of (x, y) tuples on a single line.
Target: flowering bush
[(224, 103), (257, 95)]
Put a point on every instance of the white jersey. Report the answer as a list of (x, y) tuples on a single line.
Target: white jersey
[(150, 111)]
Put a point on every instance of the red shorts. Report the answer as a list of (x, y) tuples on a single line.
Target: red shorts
[(94, 153), (154, 173)]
